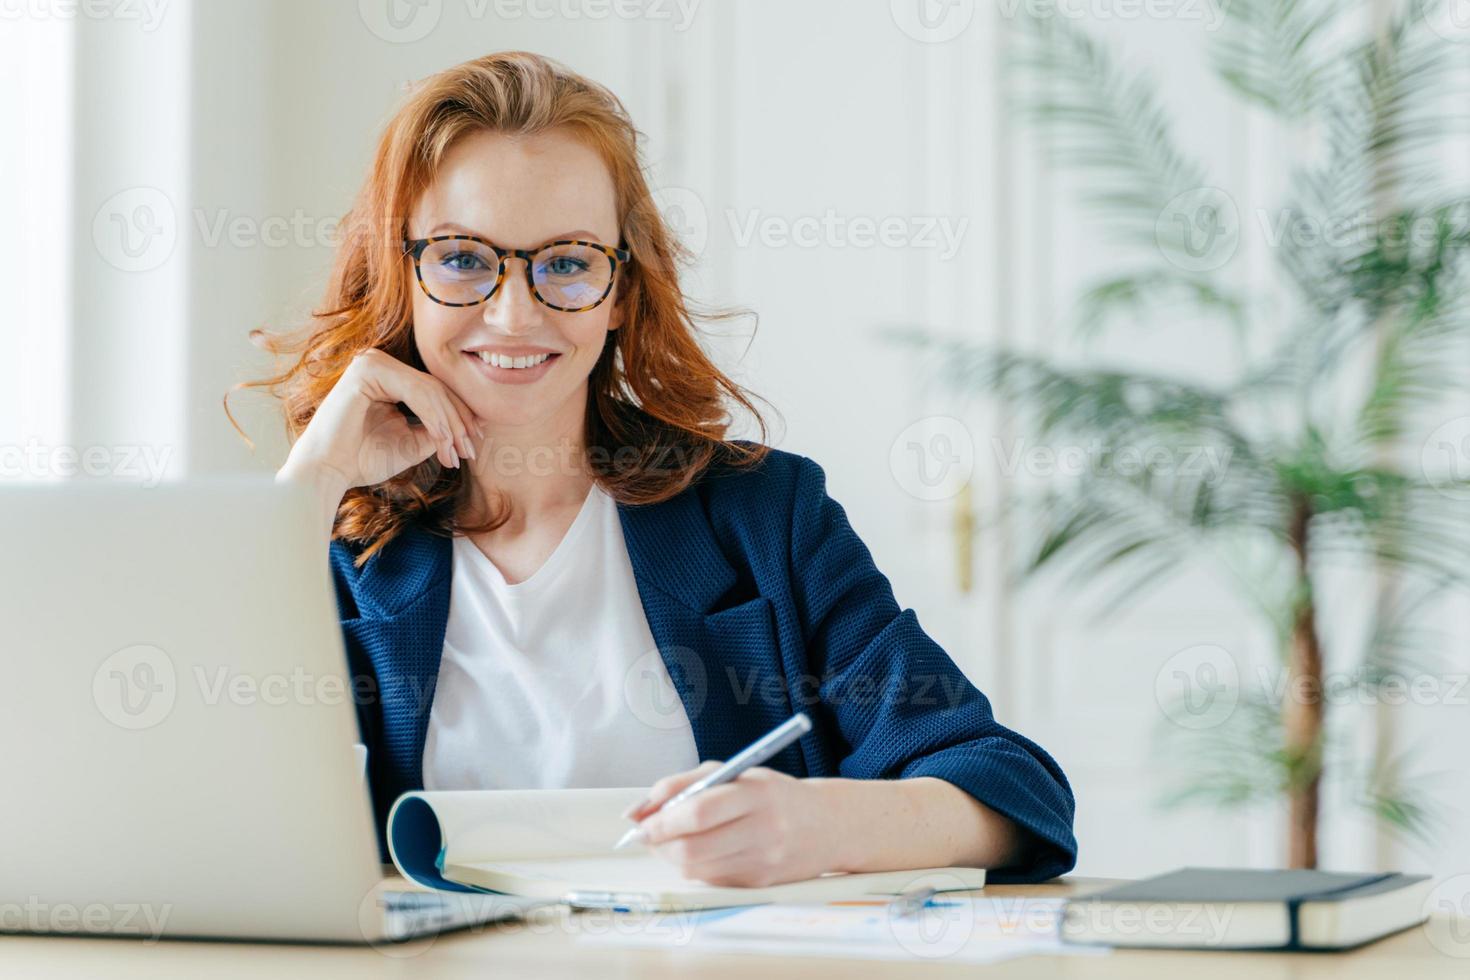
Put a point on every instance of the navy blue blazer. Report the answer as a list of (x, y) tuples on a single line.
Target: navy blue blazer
[(763, 601)]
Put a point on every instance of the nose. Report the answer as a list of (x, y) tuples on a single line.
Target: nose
[(512, 309)]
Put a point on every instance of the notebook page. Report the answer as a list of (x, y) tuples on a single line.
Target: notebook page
[(481, 825), (658, 882), (646, 872)]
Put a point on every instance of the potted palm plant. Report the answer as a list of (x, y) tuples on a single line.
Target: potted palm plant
[(1337, 425)]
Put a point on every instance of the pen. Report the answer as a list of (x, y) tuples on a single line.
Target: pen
[(911, 902), (752, 755)]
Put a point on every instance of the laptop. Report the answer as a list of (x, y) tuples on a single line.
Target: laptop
[(181, 751)]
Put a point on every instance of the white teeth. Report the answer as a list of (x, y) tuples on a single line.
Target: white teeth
[(500, 360)]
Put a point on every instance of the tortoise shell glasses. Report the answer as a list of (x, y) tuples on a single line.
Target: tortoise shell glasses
[(570, 275)]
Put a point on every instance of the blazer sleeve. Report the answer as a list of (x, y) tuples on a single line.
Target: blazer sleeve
[(902, 705)]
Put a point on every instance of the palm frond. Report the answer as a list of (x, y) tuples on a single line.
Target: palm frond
[(1106, 122), (1276, 52), (1133, 294), (1404, 804), (1236, 763), (1397, 101)]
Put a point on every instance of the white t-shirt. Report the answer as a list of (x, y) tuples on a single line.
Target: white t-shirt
[(554, 682)]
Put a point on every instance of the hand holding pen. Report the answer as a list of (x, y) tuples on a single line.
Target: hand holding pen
[(732, 808)]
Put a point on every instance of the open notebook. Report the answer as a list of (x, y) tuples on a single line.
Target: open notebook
[(557, 844)]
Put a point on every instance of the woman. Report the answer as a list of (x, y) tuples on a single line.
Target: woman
[(554, 570)]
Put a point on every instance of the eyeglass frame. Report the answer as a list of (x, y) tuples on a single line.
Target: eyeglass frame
[(415, 247)]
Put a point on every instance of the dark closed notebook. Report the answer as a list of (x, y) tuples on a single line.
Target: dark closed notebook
[(1232, 908)]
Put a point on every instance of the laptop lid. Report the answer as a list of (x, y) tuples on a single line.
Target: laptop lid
[(178, 724)]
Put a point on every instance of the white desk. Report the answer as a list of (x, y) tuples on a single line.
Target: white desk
[(546, 947)]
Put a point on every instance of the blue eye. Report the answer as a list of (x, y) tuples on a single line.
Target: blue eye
[(564, 265), (452, 262)]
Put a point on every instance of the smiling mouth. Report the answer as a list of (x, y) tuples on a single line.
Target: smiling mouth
[(512, 363)]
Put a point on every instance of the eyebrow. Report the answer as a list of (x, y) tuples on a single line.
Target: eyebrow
[(462, 230)]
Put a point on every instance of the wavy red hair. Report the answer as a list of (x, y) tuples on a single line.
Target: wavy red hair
[(656, 410)]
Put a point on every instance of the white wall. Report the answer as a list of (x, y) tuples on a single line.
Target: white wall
[(35, 218)]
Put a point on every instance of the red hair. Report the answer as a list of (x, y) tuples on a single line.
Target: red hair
[(654, 397)]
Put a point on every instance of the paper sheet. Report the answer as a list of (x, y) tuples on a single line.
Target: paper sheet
[(953, 929)]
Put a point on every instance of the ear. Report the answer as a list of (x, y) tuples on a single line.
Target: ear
[(616, 317)]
